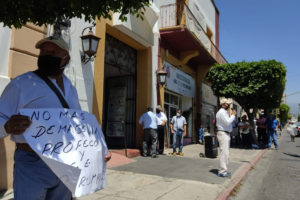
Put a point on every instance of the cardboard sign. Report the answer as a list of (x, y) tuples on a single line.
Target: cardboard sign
[(72, 144)]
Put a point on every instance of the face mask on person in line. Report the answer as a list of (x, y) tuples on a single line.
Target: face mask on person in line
[(157, 111), (178, 114), (50, 65)]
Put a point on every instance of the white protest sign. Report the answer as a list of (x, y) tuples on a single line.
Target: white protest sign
[(72, 144)]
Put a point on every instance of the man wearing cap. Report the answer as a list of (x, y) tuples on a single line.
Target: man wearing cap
[(162, 120), (224, 127), (33, 179)]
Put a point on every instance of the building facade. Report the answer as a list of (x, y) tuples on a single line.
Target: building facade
[(180, 37), (116, 86), (189, 46)]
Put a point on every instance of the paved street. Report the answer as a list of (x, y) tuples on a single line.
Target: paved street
[(191, 177), (276, 176), (167, 177)]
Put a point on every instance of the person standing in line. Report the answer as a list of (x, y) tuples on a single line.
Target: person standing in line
[(162, 120), (272, 126), (178, 129), (33, 179), (244, 127), (149, 122), (262, 129), (234, 133), (224, 127)]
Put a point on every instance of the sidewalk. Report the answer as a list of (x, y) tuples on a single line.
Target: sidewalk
[(168, 177), (172, 177)]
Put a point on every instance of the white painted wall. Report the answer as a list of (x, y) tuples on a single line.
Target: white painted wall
[(80, 74), (138, 29), (159, 3), (5, 37), (205, 13)]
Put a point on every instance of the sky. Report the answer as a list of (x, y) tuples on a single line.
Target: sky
[(253, 30)]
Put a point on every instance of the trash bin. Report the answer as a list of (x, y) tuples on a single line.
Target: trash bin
[(210, 146)]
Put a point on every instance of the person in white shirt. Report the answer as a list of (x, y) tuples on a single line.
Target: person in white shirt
[(149, 122), (245, 127), (162, 120), (224, 127), (33, 179)]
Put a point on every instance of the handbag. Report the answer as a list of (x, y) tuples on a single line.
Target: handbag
[(179, 132)]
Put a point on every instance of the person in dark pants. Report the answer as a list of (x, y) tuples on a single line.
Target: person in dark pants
[(245, 127), (149, 122), (262, 129), (178, 129), (162, 120)]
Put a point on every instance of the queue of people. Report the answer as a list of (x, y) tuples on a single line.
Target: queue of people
[(154, 137)]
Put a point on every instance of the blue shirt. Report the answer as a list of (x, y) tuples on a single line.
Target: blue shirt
[(272, 124), (148, 120)]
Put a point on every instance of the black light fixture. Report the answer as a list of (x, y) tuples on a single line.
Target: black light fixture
[(161, 75), (89, 44)]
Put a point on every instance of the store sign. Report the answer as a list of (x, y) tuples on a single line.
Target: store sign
[(179, 82), (72, 144)]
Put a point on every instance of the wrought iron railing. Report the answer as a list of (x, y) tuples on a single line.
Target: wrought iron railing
[(180, 15)]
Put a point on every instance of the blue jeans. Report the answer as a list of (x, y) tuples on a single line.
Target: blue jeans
[(179, 140), (272, 138), (201, 134), (34, 180)]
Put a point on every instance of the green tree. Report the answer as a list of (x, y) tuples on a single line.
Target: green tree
[(252, 84), (18, 12), (284, 113)]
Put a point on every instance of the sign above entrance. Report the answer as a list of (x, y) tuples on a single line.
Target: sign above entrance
[(178, 81)]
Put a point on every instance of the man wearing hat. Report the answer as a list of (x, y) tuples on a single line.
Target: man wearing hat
[(33, 179), (224, 127), (162, 120)]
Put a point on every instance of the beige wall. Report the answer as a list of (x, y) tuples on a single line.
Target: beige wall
[(22, 58)]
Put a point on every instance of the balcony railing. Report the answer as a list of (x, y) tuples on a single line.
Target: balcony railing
[(180, 15)]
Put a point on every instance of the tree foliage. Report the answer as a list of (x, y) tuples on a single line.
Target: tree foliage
[(18, 12), (284, 113), (252, 84)]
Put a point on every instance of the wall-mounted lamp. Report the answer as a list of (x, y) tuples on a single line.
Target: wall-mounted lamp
[(89, 44), (161, 76)]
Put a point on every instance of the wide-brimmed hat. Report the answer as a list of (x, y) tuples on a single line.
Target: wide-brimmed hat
[(225, 101), (55, 40), (158, 107)]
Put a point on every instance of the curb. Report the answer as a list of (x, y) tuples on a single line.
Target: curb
[(241, 175)]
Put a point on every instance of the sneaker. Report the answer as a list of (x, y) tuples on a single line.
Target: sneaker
[(174, 153), (180, 153), (154, 156), (224, 175)]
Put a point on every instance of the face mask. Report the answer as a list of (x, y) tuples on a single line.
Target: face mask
[(50, 65), (157, 111), (178, 114)]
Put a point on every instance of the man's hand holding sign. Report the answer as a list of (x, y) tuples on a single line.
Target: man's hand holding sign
[(57, 150), (71, 143)]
